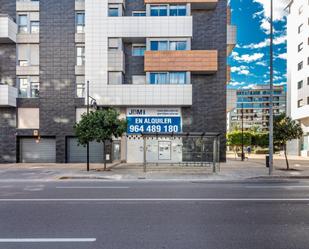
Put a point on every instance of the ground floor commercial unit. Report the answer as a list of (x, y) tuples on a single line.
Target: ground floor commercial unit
[(34, 146)]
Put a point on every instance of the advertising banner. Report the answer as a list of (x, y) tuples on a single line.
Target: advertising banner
[(150, 120)]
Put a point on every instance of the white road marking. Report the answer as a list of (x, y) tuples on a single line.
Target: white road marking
[(154, 199), (46, 240), (274, 187), (92, 187)]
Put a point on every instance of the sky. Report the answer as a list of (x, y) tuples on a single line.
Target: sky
[(249, 60)]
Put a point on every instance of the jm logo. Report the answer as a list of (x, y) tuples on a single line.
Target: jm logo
[(137, 112)]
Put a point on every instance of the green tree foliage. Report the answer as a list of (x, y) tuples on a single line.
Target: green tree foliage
[(260, 139), (100, 126), (234, 139), (285, 129)]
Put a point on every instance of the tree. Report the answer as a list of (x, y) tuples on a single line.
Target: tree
[(286, 129), (260, 139), (100, 126), (234, 139)]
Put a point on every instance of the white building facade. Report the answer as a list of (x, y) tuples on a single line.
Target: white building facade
[(298, 72)]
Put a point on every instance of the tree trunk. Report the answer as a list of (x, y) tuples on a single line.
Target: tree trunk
[(286, 158), (104, 156)]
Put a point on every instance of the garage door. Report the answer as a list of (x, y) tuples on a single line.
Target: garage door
[(78, 154), (33, 152)]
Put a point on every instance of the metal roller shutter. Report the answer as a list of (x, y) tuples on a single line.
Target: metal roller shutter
[(42, 152), (77, 154)]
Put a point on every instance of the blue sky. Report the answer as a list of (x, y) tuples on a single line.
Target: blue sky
[(250, 58)]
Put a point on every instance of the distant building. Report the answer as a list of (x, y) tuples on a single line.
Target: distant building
[(255, 106), (231, 99), (298, 72)]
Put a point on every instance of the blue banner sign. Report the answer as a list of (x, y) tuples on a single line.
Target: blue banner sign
[(145, 124)]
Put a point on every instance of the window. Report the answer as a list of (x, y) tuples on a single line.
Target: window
[(138, 50), (23, 63), (115, 78), (138, 79), (308, 81), (80, 86), (158, 78), (34, 89), (139, 13), (307, 100), (113, 10), (300, 103), (300, 47), (28, 54), (177, 77), (168, 78), (178, 10), (22, 23), (34, 27), (300, 10), (80, 56), (300, 28), (158, 45), (23, 86), (80, 22), (299, 84), (178, 45), (300, 66), (158, 10)]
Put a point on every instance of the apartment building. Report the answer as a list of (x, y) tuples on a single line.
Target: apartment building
[(252, 107), (161, 63), (298, 73)]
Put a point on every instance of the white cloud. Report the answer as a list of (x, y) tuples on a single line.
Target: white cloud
[(243, 70), (277, 41), (261, 63), (247, 58), (280, 84), (279, 8), (248, 86), (235, 83), (281, 56)]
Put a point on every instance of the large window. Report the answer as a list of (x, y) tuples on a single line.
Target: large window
[(22, 23), (168, 10), (168, 78), (113, 10), (178, 10), (80, 86), (168, 45), (138, 50), (80, 22), (300, 84), (158, 10), (80, 56), (34, 27), (28, 87)]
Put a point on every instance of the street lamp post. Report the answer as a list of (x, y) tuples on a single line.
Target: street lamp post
[(87, 114), (271, 117), (94, 105), (242, 133)]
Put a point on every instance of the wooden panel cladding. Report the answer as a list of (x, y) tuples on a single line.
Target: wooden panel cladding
[(195, 4), (228, 15), (186, 60)]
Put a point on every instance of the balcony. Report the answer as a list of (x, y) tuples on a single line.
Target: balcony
[(195, 61), (8, 29), (8, 95), (195, 4), (142, 95)]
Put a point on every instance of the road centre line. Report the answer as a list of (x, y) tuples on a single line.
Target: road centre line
[(46, 240), (156, 200), (92, 187)]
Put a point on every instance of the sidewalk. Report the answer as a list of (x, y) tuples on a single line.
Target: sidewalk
[(231, 170)]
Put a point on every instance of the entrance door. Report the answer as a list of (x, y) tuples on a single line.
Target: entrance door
[(164, 150), (116, 151)]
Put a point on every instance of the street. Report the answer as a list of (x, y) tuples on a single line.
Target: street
[(154, 214)]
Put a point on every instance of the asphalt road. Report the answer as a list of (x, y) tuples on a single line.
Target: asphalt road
[(154, 215)]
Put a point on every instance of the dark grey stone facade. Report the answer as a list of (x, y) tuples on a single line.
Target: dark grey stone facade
[(57, 71), (208, 112), (8, 76)]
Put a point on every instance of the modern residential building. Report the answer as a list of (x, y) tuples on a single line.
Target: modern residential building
[(162, 63), (253, 107), (231, 102), (298, 72)]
